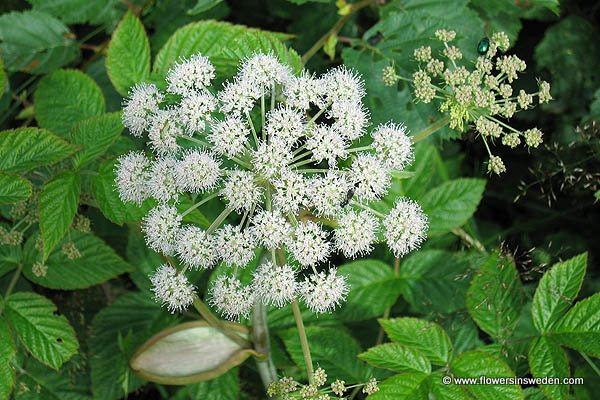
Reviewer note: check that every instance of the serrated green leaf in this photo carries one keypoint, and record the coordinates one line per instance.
(427, 337)
(409, 385)
(35, 42)
(436, 280)
(128, 55)
(95, 136)
(225, 44)
(98, 263)
(440, 391)
(66, 97)
(495, 297)
(396, 357)
(77, 11)
(556, 291)
(133, 317)
(474, 364)
(58, 204)
(13, 189)
(7, 352)
(580, 327)
(47, 336)
(546, 358)
(27, 148)
(107, 197)
(225, 387)
(335, 350)
(373, 288)
(452, 203)
(10, 257)
(202, 6)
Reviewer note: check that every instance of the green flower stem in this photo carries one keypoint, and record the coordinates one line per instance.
(357, 149)
(367, 208)
(253, 129)
(592, 363)
(219, 220)
(212, 320)
(303, 341)
(436, 126)
(335, 29)
(312, 171)
(300, 156)
(11, 286)
(262, 117)
(198, 204)
(301, 163)
(468, 239)
(318, 114)
(206, 144)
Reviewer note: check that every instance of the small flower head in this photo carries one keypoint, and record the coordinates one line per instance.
(70, 250)
(324, 291)
(533, 137)
(371, 387)
(229, 135)
(190, 75)
(338, 387)
(162, 180)
(301, 91)
(142, 104)
(270, 159)
(238, 97)
(131, 177)
(511, 140)
(544, 93)
(488, 128)
(240, 192)
(172, 288)
(39, 269)
(328, 192)
(319, 377)
(356, 233)
(270, 229)
(496, 165)
(350, 118)
(195, 247)
(405, 227)
(275, 284)
(198, 171)
(291, 191)
(326, 143)
(423, 89)
(500, 39)
(422, 54)
(444, 35)
(285, 125)
(309, 245)
(161, 227)
(235, 247)
(389, 76)
(344, 84)
(370, 176)
(230, 298)
(263, 71)
(164, 132)
(194, 110)
(393, 146)
(524, 99)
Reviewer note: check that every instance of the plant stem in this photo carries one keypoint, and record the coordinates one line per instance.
(335, 29)
(367, 208)
(11, 286)
(592, 363)
(260, 337)
(217, 222)
(303, 340)
(431, 129)
(216, 322)
(468, 239)
(198, 204)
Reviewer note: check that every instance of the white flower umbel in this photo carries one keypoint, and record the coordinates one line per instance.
(172, 288)
(198, 171)
(309, 244)
(194, 110)
(132, 176)
(195, 247)
(271, 229)
(230, 298)
(229, 136)
(161, 227)
(371, 177)
(275, 284)
(356, 233)
(324, 291)
(405, 227)
(235, 246)
(278, 150)
(190, 75)
(240, 192)
(138, 109)
(393, 146)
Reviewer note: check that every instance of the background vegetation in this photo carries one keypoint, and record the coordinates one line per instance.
(69, 333)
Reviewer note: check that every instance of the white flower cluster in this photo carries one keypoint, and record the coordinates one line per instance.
(298, 188)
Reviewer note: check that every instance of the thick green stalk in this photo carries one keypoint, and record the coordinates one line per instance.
(11, 286)
(262, 344)
(303, 340)
(436, 126)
